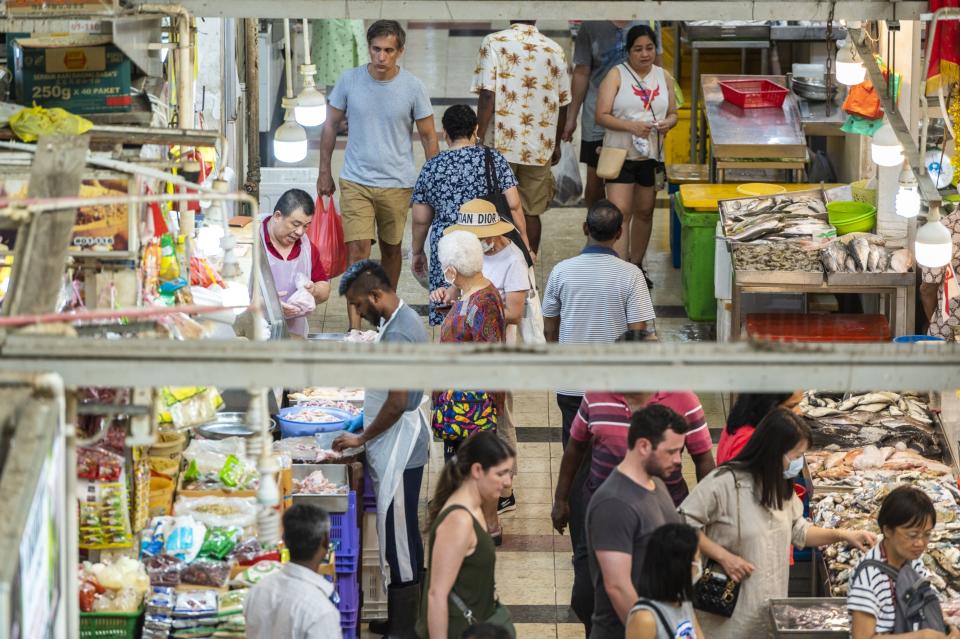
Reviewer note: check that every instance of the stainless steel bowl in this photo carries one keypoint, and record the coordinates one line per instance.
(230, 425)
(813, 90)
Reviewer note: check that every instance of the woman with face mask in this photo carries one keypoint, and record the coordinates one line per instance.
(748, 515)
(462, 555)
(671, 566)
(455, 176)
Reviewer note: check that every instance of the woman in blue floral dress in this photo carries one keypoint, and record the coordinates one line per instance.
(446, 182)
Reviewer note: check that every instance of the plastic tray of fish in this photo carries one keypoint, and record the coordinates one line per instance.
(810, 617)
(786, 257)
(776, 218)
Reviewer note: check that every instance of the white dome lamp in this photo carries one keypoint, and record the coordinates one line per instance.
(934, 244)
(290, 139)
(908, 195)
(311, 109)
(849, 69)
(885, 150)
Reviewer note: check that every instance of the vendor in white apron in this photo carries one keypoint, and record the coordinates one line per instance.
(291, 254)
(397, 443)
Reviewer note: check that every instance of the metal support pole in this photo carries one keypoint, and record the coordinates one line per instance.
(251, 78)
(694, 100)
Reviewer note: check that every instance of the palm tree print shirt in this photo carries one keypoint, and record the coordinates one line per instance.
(527, 72)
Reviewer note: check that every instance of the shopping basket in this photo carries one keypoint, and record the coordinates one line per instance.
(753, 94)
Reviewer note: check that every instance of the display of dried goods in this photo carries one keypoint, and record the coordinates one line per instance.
(779, 256)
(787, 217)
(825, 615)
(879, 418)
(863, 253)
(317, 484)
(206, 572)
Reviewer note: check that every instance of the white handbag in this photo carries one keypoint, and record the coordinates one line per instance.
(531, 324)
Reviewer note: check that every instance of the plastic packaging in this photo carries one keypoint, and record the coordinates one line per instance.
(206, 572)
(220, 542)
(566, 174)
(219, 512)
(255, 574)
(231, 603)
(302, 299)
(196, 603)
(30, 124)
(164, 571)
(185, 539)
(211, 455)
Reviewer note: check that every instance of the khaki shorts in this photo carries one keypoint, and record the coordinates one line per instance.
(536, 187)
(373, 212)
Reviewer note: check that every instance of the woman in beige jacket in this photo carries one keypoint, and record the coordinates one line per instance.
(748, 516)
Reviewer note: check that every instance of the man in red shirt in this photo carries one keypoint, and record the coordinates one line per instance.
(292, 256)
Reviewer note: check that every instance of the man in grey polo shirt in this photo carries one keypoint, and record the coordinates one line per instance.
(592, 297)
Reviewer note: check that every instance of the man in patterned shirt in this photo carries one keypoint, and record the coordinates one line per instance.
(936, 296)
(524, 88)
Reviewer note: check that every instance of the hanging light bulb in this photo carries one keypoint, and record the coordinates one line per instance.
(934, 244)
(850, 70)
(908, 195)
(290, 139)
(885, 150)
(311, 105)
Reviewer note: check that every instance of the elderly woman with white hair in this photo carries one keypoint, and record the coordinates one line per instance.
(476, 316)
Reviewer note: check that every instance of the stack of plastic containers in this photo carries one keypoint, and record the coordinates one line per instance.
(374, 593)
(345, 535)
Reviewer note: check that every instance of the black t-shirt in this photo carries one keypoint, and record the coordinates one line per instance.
(621, 516)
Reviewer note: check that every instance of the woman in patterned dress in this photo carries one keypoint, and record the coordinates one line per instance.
(446, 182)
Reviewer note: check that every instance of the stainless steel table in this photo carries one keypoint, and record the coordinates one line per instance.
(897, 291)
(752, 138)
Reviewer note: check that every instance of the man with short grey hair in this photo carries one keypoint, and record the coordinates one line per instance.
(383, 102)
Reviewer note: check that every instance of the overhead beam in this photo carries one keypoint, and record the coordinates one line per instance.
(473, 10)
(643, 367)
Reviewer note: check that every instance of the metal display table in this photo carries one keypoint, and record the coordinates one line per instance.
(897, 292)
(752, 138)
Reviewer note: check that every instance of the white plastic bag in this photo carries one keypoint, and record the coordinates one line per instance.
(302, 299)
(531, 324)
(566, 174)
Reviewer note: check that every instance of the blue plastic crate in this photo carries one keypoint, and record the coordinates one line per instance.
(344, 532)
(369, 496)
(348, 588)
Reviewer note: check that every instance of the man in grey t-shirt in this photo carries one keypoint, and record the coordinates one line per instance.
(383, 103)
(625, 510)
(600, 46)
(397, 446)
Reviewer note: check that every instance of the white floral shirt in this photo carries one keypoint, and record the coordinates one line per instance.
(942, 324)
(528, 74)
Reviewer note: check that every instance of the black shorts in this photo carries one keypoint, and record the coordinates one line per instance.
(590, 152)
(642, 172)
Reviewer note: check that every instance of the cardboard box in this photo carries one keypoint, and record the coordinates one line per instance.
(46, 7)
(82, 74)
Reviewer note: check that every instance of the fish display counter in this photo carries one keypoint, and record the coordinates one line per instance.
(864, 446)
(785, 243)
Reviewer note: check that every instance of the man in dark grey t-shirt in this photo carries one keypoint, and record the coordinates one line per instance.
(625, 510)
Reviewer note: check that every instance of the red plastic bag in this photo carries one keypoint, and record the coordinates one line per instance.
(326, 233)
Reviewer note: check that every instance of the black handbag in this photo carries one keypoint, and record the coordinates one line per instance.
(501, 615)
(499, 200)
(716, 592)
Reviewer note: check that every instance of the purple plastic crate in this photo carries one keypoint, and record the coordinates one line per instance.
(369, 496)
(348, 588)
(345, 533)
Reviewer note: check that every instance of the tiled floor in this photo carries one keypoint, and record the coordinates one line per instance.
(534, 575)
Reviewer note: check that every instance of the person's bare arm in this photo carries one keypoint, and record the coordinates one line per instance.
(454, 539)
(428, 136)
(735, 566)
(643, 625)
(928, 298)
(422, 219)
(860, 539)
(513, 306)
(561, 122)
(670, 120)
(579, 82)
(516, 211)
(615, 568)
(637, 326)
(573, 456)
(325, 184)
(551, 328)
(486, 102)
(703, 464)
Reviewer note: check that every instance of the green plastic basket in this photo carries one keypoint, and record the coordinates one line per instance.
(110, 625)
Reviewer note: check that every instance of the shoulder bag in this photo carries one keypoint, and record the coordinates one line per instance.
(500, 617)
(496, 197)
(717, 592)
(531, 324)
(659, 169)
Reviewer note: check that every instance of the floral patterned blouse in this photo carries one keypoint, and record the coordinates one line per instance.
(944, 324)
(479, 318)
(527, 72)
(447, 182)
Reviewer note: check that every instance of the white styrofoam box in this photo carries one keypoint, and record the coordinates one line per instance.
(724, 320)
(275, 181)
(722, 268)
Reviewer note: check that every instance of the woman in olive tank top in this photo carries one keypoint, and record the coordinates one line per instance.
(460, 576)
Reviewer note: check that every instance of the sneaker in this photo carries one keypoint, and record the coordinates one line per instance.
(506, 504)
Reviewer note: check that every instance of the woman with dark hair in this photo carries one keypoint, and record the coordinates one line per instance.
(747, 411)
(462, 554)
(671, 565)
(906, 519)
(748, 515)
(637, 106)
(446, 183)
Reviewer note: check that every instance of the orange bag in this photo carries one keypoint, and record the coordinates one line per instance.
(326, 233)
(863, 100)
